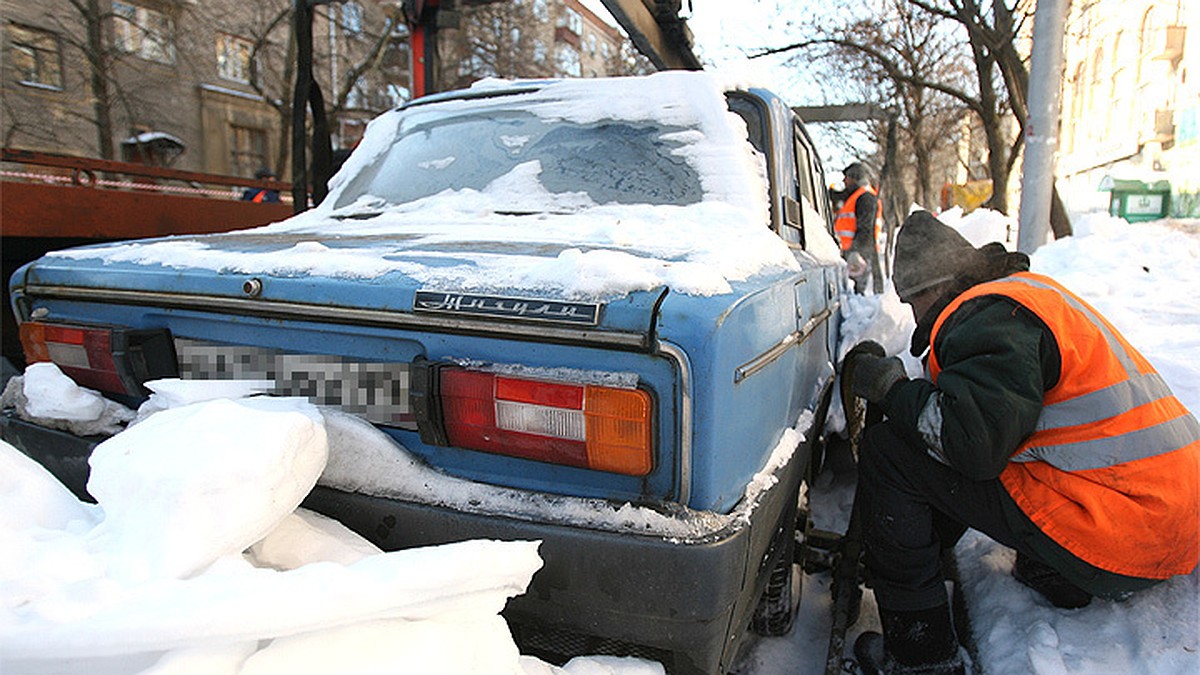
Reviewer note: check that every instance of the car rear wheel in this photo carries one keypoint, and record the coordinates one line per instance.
(776, 609)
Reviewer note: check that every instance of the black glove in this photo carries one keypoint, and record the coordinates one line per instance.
(872, 374)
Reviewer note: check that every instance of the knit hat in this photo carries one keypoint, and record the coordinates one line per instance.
(929, 253)
(856, 171)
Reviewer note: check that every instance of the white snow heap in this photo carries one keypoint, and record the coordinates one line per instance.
(155, 577)
(45, 395)
(224, 493)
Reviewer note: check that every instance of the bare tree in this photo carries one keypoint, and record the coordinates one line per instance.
(353, 60)
(993, 29)
(112, 96)
(900, 55)
(896, 59)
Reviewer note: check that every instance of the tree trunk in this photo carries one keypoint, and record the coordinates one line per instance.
(98, 59)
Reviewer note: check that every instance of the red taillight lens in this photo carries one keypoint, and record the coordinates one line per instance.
(588, 426)
(110, 359)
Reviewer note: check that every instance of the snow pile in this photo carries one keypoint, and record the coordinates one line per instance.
(154, 578)
(223, 495)
(1016, 631)
(54, 400)
(365, 460)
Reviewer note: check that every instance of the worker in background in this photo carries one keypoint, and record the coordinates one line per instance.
(858, 224)
(261, 195)
(1037, 424)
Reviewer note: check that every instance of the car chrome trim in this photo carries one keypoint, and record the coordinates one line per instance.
(780, 348)
(343, 315)
(685, 418)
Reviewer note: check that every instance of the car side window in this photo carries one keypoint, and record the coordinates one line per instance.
(752, 115)
(804, 187)
(810, 190)
(758, 133)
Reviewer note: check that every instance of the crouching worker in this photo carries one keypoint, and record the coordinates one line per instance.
(1038, 425)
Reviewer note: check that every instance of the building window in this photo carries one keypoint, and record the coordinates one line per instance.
(396, 94)
(568, 60)
(395, 59)
(37, 56)
(352, 18)
(248, 150)
(541, 11)
(234, 57)
(571, 20)
(143, 32)
(355, 98)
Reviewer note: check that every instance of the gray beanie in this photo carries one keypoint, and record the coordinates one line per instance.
(928, 253)
(857, 172)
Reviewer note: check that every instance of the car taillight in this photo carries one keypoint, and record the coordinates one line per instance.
(111, 359)
(583, 425)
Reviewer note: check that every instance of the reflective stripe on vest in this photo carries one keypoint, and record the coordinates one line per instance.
(1112, 469)
(845, 225)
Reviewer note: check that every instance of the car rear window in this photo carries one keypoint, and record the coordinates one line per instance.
(521, 159)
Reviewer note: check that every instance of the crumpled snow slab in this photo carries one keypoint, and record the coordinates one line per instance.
(197, 560)
(191, 484)
(46, 396)
(238, 604)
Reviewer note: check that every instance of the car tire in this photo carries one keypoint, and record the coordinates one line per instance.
(776, 609)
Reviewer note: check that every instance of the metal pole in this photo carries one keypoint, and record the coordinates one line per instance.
(1041, 128)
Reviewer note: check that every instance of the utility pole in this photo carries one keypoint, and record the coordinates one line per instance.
(1041, 127)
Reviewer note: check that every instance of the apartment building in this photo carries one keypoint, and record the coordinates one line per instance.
(1131, 100)
(206, 86)
(534, 39)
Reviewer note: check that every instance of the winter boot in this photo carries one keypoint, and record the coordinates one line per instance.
(1049, 583)
(920, 642)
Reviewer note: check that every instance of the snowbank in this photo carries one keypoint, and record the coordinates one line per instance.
(197, 560)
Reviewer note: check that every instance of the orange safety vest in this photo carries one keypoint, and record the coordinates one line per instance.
(1112, 470)
(846, 224)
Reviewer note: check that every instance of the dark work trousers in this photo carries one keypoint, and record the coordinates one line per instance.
(913, 507)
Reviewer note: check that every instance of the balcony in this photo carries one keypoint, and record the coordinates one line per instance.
(1173, 40)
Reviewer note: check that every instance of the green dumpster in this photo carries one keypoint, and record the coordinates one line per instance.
(1137, 201)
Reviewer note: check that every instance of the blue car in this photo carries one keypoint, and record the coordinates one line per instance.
(608, 308)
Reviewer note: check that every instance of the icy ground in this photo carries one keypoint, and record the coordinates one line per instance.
(200, 564)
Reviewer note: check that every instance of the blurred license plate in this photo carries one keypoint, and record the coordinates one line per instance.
(377, 392)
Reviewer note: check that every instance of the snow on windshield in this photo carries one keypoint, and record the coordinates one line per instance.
(684, 111)
(575, 246)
